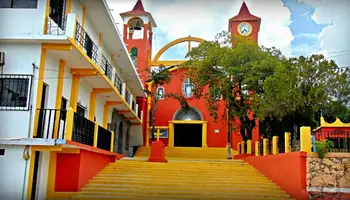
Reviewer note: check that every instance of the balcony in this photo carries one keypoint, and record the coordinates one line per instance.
(107, 68)
(70, 126)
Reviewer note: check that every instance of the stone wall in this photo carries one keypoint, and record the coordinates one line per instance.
(328, 178)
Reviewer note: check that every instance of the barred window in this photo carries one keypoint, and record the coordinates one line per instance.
(18, 3)
(14, 91)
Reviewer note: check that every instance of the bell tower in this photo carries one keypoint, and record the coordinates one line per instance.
(137, 35)
(245, 24)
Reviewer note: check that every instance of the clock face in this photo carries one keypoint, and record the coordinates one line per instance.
(244, 29)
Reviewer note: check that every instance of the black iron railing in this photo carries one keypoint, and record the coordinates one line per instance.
(104, 139)
(84, 40)
(340, 139)
(127, 96)
(118, 83)
(15, 90)
(139, 113)
(133, 106)
(83, 130)
(107, 68)
(56, 25)
(51, 123)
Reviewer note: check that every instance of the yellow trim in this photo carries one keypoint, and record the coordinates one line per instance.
(39, 88)
(83, 18)
(112, 141)
(105, 115)
(69, 7)
(149, 88)
(249, 147)
(336, 123)
(175, 42)
(102, 90)
(275, 145)
(243, 147)
(74, 92)
(160, 127)
(30, 174)
(305, 139)
(188, 122)
(47, 13)
(100, 40)
(204, 135)
(51, 175)
(60, 47)
(250, 32)
(171, 135)
(92, 106)
(47, 148)
(70, 150)
(95, 134)
(265, 142)
(59, 92)
(167, 62)
(287, 147)
(69, 124)
(84, 72)
(257, 148)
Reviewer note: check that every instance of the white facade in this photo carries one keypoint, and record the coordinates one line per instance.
(21, 38)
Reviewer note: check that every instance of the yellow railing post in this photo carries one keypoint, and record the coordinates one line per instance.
(239, 148)
(69, 124)
(243, 147)
(287, 146)
(265, 143)
(257, 148)
(249, 147)
(275, 145)
(305, 139)
(112, 141)
(95, 134)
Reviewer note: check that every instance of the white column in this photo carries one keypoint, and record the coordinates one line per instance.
(137, 109)
(70, 29)
(130, 103)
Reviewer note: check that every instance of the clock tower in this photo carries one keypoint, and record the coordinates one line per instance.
(245, 24)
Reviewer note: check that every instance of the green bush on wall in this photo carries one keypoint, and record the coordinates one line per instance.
(323, 147)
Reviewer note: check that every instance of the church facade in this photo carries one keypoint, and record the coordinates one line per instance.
(194, 128)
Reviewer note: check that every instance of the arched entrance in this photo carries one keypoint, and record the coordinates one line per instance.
(120, 137)
(189, 129)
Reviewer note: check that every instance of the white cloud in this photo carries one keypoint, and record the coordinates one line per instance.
(335, 36)
(205, 18)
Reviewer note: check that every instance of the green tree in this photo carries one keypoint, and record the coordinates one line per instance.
(158, 77)
(303, 88)
(219, 68)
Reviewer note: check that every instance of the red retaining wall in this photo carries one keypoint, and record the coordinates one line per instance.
(287, 170)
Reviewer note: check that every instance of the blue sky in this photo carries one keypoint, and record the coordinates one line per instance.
(296, 27)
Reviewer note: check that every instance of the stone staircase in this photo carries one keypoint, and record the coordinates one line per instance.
(180, 178)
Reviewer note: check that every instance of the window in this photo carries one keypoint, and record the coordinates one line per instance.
(2, 152)
(63, 108)
(160, 92)
(58, 12)
(15, 92)
(187, 88)
(81, 110)
(18, 3)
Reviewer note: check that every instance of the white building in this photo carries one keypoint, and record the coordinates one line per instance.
(67, 83)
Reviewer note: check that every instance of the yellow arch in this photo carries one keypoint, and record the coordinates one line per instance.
(189, 39)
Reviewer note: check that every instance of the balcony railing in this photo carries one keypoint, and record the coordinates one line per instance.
(104, 140)
(118, 83)
(52, 123)
(56, 25)
(107, 68)
(340, 139)
(83, 39)
(127, 96)
(134, 60)
(68, 125)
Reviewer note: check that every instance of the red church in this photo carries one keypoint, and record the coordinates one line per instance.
(194, 128)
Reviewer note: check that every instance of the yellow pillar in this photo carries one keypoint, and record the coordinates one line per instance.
(105, 116)
(204, 135)
(95, 134)
(265, 143)
(171, 135)
(149, 87)
(92, 106)
(243, 147)
(249, 147)
(69, 124)
(305, 139)
(238, 148)
(112, 141)
(275, 145)
(59, 90)
(257, 148)
(73, 102)
(287, 146)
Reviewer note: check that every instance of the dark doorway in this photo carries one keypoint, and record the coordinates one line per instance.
(41, 118)
(188, 135)
(35, 175)
(120, 138)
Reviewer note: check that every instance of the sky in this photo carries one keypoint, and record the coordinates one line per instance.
(296, 27)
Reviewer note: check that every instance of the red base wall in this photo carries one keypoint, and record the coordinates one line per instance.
(287, 170)
(73, 171)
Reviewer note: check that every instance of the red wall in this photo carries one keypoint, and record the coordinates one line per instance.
(287, 170)
(165, 113)
(73, 171)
